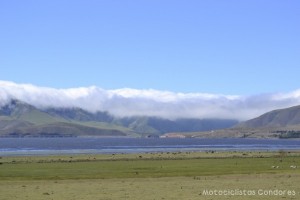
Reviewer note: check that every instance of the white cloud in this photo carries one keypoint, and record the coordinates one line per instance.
(130, 102)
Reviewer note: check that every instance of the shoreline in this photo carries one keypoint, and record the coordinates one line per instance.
(73, 146)
(167, 155)
(27, 153)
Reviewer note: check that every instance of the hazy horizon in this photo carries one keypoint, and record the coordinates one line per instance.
(149, 102)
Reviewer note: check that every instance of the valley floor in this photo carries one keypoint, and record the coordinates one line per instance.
(212, 175)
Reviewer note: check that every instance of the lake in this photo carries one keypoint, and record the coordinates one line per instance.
(48, 146)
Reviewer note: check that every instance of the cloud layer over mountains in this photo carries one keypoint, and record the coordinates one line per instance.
(131, 102)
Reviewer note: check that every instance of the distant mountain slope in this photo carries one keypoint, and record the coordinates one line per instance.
(60, 130)
(18, 110)
(79, 114)
(18, 119)
(282, 123)
(282, 118)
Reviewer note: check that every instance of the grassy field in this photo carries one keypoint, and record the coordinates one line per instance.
(152, 176)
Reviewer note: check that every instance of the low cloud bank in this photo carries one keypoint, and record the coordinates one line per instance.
(132, 102)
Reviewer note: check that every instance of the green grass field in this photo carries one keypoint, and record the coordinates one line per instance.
(150, 176)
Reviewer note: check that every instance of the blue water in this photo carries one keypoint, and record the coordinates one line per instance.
(45, 146)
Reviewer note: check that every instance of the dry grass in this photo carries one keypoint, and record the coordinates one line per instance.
(151, 188)
(182, 176)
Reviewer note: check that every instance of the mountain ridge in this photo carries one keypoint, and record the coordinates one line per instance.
(277, 118)
(19, 119)
(280, 123)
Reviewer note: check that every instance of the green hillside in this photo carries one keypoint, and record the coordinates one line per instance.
(19, 119)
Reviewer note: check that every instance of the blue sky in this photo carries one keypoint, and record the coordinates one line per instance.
(223, 47)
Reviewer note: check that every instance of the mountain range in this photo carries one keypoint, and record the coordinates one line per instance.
(19, 119)
(281, 123)
(288, 118)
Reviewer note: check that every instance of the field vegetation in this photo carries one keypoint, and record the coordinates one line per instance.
(177, 175)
